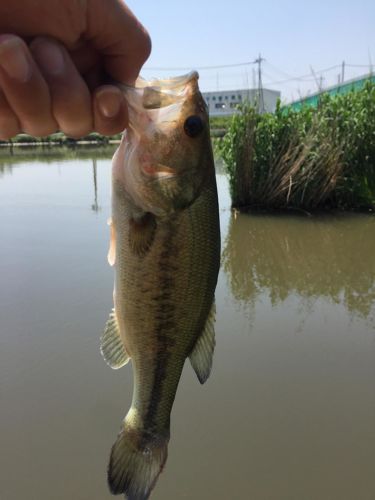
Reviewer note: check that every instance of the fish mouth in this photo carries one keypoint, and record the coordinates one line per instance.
(158, 171)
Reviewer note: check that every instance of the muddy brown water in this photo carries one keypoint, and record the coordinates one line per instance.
(289, 410)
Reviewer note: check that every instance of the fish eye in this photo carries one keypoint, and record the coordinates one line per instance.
(193, 126)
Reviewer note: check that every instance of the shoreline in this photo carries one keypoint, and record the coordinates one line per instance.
(70, 144)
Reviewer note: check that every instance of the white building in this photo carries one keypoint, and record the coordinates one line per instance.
(224, 102)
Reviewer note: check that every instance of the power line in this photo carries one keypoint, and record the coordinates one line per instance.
(220, 74)
(183, 68)
(271, 81)
(307, 77)
(278, 70)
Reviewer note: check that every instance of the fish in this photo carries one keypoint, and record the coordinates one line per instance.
(165, 249)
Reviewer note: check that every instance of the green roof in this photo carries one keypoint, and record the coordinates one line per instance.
(345, 88)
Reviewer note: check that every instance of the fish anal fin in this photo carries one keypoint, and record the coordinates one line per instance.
(202, 353)
(142, 233)
(112, 244)
(111, 344)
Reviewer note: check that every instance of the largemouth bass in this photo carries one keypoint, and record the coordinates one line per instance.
(165, 246)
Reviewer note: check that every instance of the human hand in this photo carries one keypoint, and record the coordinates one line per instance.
(55, 59)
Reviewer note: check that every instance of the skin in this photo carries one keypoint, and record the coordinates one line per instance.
(166, 235)
(57, 58)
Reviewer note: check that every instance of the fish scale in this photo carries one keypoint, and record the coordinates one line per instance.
(166, 251)
(177, 303)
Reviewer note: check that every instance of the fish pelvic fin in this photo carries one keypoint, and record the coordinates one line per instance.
(135, 464)
(111, 344)
(202, 354)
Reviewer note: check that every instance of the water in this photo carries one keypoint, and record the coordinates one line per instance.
(289, 410)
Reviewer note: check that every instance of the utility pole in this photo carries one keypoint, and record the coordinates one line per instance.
(318, 82)
(321, 83)
(260, 85)
(247, 85)
(95, 205)
(254, 79)
(342, 72)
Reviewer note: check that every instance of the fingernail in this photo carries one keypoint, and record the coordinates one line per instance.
(13, 59)
(109, 102)
(49, 57)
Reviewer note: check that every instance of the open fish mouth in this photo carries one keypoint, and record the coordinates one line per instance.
(158, 171)
(156, 94)
(172, 84)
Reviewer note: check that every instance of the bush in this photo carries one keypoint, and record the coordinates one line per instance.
(309, 159)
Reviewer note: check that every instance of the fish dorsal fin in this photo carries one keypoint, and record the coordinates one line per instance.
(112, 244)
(142, 233)
(202, 353)
(111, 344)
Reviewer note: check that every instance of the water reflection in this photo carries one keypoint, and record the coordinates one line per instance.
(330, 257)
(5, 169)
(300, 422)
(95, 205)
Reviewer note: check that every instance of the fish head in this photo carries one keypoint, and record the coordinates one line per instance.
(167, 154)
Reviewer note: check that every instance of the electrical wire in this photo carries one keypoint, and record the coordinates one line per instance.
(358, 65)
(200, 68)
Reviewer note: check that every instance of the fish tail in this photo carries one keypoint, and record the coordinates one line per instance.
(135, 463)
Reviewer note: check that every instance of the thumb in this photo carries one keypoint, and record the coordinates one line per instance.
(117, 34)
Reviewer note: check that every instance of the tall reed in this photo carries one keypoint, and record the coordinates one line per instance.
(308, 159)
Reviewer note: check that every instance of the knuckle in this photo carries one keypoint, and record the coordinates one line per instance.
(109, 128)
(75, 132)
(75, 119)
(11, 37)
(39, 129)
(7, 135)
(9, 127)
(144, 46)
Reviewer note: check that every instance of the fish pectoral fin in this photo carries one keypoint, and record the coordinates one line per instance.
(202, 353)
(111, 345)
(112, 244)
(142, 233)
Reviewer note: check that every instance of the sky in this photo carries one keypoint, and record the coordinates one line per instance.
(296, 39)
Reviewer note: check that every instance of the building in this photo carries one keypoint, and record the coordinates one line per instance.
(342, 88)
(225, 102)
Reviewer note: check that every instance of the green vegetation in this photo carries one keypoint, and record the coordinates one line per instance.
(59, 138)
(219, 125)
(308, 159)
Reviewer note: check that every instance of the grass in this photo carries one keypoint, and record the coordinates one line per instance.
(60, 139)
(308, 159)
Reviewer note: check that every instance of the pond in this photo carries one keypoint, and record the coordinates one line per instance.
(289, 410)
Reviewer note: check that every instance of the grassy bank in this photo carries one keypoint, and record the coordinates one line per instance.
(308, 159)
(59, 139)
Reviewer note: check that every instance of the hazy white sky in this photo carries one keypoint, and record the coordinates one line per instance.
(291, 35)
